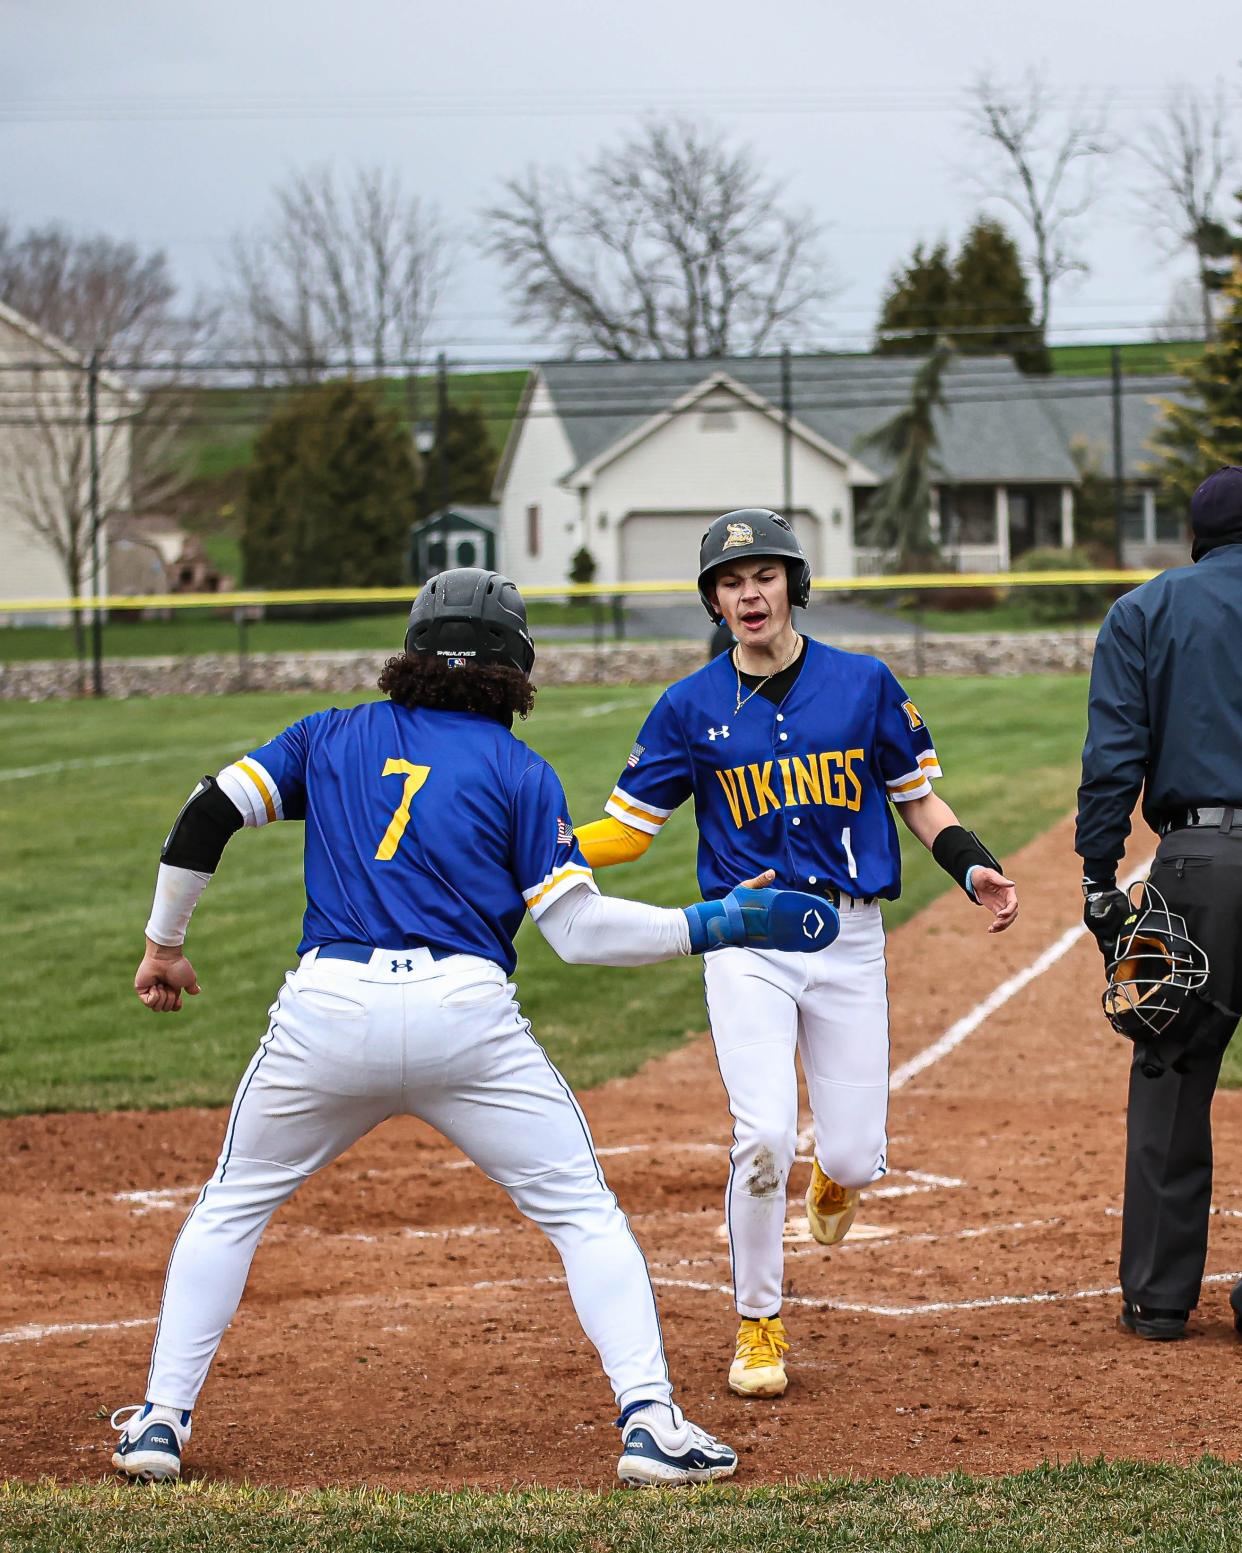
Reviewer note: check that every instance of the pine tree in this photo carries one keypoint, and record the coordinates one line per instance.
(469, 462)
(916, 304)
(979, 301)
(897, 516)
(330, 494)
(990, 310)
(1195, 438)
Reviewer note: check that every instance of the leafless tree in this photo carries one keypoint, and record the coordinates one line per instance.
(342, 270)
(1188, 156)
(673, 244)
(78, 298)
(1040, 163)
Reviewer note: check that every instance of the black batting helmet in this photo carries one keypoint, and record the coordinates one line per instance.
(754, 531)
(474, 615)
(1154, 971)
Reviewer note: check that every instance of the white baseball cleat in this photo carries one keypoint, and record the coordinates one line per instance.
(661, 1447)
(152, 1439)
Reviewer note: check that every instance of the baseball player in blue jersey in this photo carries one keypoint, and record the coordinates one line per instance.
(793, 752)
(429, 831)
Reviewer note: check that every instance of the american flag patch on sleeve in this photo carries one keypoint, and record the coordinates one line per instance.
(635, 755)
(564, 834)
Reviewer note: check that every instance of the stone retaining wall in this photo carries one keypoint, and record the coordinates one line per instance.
(615, 663)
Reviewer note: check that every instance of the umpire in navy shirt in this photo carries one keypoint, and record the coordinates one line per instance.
(1165, 717)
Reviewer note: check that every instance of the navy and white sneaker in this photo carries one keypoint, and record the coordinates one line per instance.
(152, 1439)
(661, 1446)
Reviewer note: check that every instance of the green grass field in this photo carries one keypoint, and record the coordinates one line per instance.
(88, 790)
(1137, 357)
(1093, 1507)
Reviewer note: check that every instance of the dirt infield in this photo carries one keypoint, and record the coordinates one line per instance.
(404, 1327)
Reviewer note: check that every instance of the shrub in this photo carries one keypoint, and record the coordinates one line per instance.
(1074, 601)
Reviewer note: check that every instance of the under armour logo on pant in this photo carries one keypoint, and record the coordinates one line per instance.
(397, 964)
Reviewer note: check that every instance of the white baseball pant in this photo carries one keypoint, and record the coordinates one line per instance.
(832, 1008)
(352, 1044)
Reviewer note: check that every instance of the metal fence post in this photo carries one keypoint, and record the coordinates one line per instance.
(92, 433)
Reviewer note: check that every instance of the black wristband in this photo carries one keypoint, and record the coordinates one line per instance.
(202, 829)
(1099, 872)
(958, 850)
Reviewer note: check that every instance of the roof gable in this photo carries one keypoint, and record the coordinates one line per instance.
(995, 426)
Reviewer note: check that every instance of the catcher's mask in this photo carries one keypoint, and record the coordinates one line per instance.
(1155, 970)
(470, 616)
(746, 534)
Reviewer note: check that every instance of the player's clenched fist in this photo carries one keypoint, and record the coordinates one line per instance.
(163, 976)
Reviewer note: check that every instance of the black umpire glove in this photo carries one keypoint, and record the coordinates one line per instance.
(1105, 909)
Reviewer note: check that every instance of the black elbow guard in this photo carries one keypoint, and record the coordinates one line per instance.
(201, 831)
(958, 850)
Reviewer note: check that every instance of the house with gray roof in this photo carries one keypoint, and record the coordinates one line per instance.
(632, 459)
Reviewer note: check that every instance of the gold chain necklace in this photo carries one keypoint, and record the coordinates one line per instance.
(739, 702)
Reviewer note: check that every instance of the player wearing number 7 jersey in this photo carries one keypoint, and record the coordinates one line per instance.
(429, 832)
(792, 752)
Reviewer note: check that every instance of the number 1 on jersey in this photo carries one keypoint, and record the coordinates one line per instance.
(414, 776)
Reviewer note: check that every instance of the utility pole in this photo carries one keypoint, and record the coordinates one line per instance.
(1119, 477)
(92, 432)
(786, 433)
(441, 429)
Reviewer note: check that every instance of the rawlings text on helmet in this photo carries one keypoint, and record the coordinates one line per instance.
(1155, 971)
(467, 617)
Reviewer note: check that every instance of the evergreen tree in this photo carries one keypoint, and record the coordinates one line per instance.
(990, 310)
(979, 300)
(1198, 437)
(916, 305)
(330, 494)
(464, 468)
(898, 514)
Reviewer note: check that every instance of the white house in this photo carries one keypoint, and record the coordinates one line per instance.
(45, 459)
(633, 459)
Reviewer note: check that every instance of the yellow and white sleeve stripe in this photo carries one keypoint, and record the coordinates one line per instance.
(252, 790)
(636, 813)
(559, 882)
(915, 784)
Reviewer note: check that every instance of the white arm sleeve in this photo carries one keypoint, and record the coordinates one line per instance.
(589, 929)
(176, 894)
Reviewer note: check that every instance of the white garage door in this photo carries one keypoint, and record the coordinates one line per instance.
(664, 546)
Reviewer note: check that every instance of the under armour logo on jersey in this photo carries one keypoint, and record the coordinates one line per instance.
(718, 733)
(408, 964)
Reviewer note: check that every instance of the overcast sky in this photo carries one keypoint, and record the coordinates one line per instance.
(168, 122)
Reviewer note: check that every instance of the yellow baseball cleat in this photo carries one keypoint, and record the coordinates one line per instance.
(830, 1208)
(758, 1368)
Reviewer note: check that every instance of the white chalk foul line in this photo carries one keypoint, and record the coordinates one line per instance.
(969, 1023)
(99, 762)
(930, 1307)
(35, 1334)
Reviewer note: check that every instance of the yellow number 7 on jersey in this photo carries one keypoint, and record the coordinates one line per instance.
(414, 776)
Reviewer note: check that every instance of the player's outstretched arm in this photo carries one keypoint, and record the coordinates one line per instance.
(963, 857)
(585, 928)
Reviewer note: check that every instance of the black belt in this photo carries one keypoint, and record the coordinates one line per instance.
(1225, 818)
(347, 949)
(832, 894)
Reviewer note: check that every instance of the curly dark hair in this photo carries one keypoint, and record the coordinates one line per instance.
(494, 690)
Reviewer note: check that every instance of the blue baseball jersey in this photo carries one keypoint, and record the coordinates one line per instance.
(803, 787)
(423, 827)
